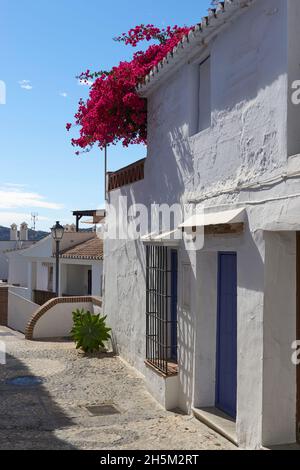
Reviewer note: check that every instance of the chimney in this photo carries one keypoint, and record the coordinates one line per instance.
(24, 232)
(14, 233)
(70, 228)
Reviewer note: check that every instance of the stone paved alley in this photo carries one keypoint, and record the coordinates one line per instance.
(54, 414)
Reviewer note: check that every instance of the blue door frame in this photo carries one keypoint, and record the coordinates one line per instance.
(174, 284)
(226, 357)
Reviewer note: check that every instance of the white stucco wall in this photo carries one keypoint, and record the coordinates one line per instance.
(77, 279)
(74, 277)
(4, 265)
(5, 245)
(279, 373)
(10, 268)
(58, 321)
(18, 269)
(293, 75)
(97, 278)
(248, 142)
(42, 276)
(20, 291)
(202, 355)
(125, 297)
(41, 249)
(20, 311)
(249, 110)
(250, 259)
(164, 389)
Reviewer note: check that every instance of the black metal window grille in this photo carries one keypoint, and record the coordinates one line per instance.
(161, 308)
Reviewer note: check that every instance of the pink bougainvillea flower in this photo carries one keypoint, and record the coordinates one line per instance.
(114, 112)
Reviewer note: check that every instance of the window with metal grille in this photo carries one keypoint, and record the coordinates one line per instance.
(161, 308)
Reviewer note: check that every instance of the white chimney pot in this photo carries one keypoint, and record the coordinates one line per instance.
(13, 233)
(24, 232)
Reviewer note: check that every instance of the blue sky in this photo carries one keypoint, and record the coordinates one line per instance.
(44, 45)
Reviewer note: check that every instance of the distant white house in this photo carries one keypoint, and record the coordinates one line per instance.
(17, 240)
(81, 266)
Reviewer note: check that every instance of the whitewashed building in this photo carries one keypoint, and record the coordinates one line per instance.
(213, 329)
(81, 267)
(17, 240)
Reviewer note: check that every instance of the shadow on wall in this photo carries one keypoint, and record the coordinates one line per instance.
(170, 173)
(28, 414)
(256, 60)
(186, 342)
(166, 187)
(252, 278)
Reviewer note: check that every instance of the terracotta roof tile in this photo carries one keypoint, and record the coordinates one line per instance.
(91, 249)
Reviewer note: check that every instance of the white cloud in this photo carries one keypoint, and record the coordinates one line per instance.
(85, 82)
(63, 94)
(7, 218)
(12, 197)
(14, 185)
(25, 84)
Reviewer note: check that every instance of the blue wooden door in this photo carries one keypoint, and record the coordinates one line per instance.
(226, 370)
(174, 271)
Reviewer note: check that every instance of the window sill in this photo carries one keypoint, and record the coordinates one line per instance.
(172, 369)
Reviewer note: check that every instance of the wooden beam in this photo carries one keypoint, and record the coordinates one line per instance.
(221, 229)
(224, 229)
(78, 218)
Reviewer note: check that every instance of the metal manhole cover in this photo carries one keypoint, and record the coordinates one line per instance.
(25, 381)
(103, 410)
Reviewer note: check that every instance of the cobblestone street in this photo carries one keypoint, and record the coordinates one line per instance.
(53, 414)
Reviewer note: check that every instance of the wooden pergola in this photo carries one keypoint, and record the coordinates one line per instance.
(96, 215)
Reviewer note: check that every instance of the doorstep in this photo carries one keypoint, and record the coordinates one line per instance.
(283, 447)
(218, 421)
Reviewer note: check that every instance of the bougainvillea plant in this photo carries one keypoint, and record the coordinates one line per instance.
(114, 112)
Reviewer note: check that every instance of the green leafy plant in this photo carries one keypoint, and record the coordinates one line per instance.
(89, 331)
